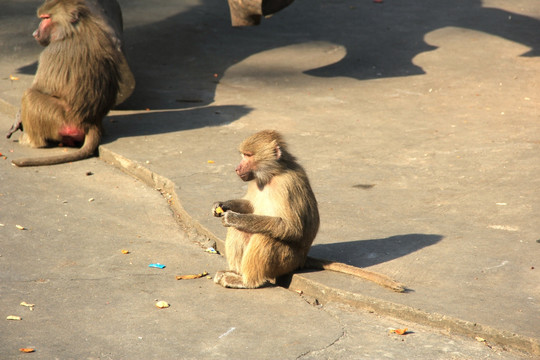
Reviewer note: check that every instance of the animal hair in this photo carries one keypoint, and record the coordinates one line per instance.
(271, 229)
(76, 83)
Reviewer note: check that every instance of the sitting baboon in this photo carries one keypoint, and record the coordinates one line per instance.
(271, 229)
(81, 74)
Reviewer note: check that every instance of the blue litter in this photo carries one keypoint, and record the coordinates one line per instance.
(157, 265)
(211, 250)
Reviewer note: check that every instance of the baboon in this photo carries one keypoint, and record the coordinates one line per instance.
(78, 79)
(271, 229)
(250, 12)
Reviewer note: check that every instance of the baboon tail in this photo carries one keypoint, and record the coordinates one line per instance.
(91, 143)
(383, 280)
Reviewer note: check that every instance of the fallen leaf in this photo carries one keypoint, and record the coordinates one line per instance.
(189, 277)
(125, 251)
(13, 317)
(20, 227)
(24, 303)
(399, 331)
(210, 161)
(162, 304)
(27, 350)
(12, 78)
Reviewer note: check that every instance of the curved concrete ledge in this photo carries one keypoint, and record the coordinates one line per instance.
(299, 282)
(451, 324)
(321, 292)
(167, 188)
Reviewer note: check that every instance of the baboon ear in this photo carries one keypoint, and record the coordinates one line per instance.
(278, 152)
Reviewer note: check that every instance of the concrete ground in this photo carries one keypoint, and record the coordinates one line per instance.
(417, 124)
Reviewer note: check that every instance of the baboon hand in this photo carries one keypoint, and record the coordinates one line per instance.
(229, 218)
(218, 210)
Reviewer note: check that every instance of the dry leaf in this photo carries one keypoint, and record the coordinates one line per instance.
(125, 251)
(20, 227)
(13, 317)
(399, 331)
(189, 277)
(162, 304)
(13, 78)
(27, 350)
(29, 306)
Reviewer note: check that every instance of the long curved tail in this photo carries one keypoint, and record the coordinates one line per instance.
(383, 280)
(91, 143)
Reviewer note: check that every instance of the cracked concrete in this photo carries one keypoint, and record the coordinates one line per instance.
(417, 125)
(93, 302)
(327, 348)
(359, 338)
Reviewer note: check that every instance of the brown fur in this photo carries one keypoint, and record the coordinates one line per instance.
(250, 12)
(76, 83)
(272, 228)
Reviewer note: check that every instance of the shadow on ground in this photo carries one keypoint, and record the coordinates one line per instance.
(167, 121)
(178, 62)
(365, 253)
(381, 41)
